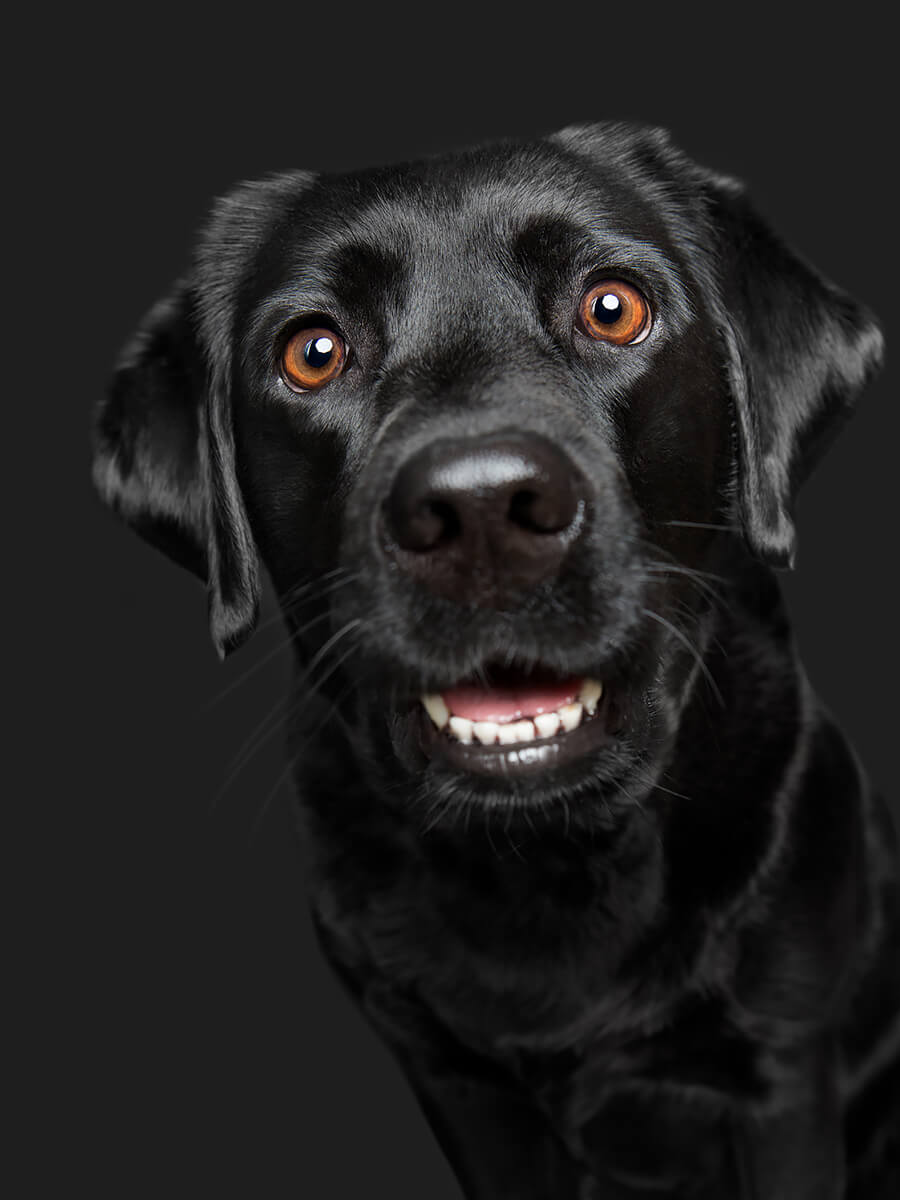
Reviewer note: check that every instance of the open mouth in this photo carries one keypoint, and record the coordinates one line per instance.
(513, 723)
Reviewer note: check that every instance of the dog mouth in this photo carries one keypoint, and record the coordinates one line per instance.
(510, 723)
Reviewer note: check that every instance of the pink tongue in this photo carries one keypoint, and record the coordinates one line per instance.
(509, 703)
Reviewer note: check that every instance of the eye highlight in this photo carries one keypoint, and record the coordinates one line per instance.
(311, 358)
(614, 311)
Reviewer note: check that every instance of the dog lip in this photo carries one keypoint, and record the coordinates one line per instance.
(510, 760)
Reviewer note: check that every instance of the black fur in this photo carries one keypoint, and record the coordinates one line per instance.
(668, 967)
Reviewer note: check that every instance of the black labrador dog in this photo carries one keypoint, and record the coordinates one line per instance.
(516, 434)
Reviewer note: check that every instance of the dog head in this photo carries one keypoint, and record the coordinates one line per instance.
(486, 420)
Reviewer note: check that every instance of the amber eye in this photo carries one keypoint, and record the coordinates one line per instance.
(614, 311)
(311, 358)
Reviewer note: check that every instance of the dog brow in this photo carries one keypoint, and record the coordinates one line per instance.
(363, 274)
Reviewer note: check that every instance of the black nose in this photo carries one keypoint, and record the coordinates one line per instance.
(478, 519)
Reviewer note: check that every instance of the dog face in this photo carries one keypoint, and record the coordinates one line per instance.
(489, 421)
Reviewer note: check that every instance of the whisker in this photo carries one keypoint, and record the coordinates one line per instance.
(254, 667)
(702, 525)
(649, 781)
(316, 687)
(514, 847)
(688, 644)
(671, 559)
(278, 649)
(295, 758)
(633, 800)
(282, 778)
(332, 711)
(324, 649)
(487, 831)
(318, 589)
(269, 725)
(671, 791)
(434, 814)
(700, 583)
(254, 741)
(707, 577)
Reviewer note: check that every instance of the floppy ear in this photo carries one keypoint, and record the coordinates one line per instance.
(801, 351)
(164, 460)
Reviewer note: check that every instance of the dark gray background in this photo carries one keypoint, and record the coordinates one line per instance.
(192, 1043)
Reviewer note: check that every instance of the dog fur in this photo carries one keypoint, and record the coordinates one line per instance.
(669, 966)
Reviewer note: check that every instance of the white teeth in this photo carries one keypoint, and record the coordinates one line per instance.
(436, 708)
(543, 725)
(515, 731)
(547, 724)
(570, 715)
(489, 732)
(589, 695)
(461, 728)
(486, 732)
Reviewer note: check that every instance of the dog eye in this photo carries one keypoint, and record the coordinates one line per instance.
(311, 358)
(614, 311)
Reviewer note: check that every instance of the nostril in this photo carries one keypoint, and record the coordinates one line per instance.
(423, 525)
(433, 523)
(525, 511)
(547, 511)
(532, 511)
(445, 520)
(520, 510)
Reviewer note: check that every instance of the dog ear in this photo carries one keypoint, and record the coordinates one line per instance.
(164, 460)
(800, 352)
